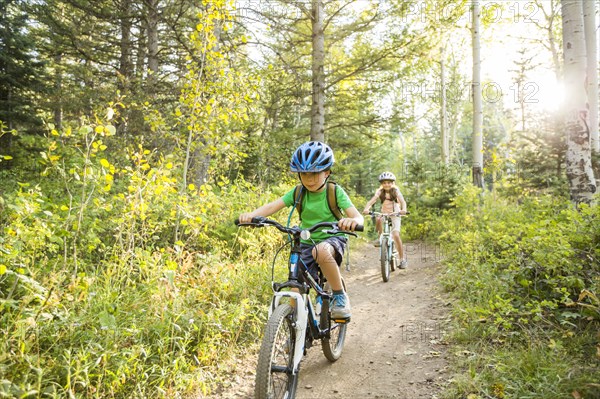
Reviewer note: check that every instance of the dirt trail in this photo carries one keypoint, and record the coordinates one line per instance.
(395, 344)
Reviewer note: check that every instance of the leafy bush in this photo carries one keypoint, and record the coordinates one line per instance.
(526, 279)
(118, 282)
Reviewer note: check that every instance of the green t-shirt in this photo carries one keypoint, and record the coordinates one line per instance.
(316, 210)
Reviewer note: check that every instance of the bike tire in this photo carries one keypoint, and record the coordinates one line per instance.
(385, 261)
(334, 344)
(274, 377)
(394, 256)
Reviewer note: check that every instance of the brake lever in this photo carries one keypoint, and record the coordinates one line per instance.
(336, 230)
(252, 224)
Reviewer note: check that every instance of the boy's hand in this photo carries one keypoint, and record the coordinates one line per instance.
(347, 224)
(366, 211)
(246, 217)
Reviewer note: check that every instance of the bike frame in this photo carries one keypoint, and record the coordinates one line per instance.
(386, 235)
(305, 314)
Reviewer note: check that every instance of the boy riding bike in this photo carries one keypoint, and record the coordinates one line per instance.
(313, 161)
(392, 201)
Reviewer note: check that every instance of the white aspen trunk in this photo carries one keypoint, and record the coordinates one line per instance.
(578, 158)
(589, 23)
(477, 101)
(444, 115)
(317, 112)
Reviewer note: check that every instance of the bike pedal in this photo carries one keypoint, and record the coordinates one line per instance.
(342, 321)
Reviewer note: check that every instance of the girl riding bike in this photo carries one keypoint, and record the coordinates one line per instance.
(392, 201)
(313, 161)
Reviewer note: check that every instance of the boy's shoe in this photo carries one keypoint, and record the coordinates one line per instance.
(403, 264)
(340, 306)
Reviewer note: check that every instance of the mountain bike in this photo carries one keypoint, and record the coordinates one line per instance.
(388, 254)
(295, 319)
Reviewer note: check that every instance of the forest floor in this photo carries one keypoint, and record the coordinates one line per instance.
(395, 346)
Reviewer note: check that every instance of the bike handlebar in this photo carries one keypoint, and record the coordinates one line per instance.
(261, 221)
(388, 214)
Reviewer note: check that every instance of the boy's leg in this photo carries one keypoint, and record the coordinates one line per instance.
(324, 253)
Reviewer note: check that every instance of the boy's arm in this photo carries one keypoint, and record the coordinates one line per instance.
(354, 218)
(265, 210)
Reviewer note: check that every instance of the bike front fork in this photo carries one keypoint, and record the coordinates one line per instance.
(300, 322)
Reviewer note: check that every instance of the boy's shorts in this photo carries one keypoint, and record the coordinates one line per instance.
(338, 244)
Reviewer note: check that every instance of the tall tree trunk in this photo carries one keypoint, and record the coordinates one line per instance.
(57, 106)
(317, 112)
(152, 26)
(589, 22)
(125, 63)
(444, 114)
(141, 52)
(477, 101)
(578, 159)
(551, 17)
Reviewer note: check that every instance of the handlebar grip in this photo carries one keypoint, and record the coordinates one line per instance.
(255, 220)
(359, 227)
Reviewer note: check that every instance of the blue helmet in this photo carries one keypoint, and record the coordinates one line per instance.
(312, 156)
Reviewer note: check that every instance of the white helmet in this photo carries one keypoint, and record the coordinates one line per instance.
(387, 176)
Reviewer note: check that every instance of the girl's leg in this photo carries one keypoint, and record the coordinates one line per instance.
(398, 242)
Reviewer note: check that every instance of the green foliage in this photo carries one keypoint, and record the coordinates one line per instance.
(99, 300)
(432, 186)
(116, 275)
(21, 74)
(532, 370)
(526, 279)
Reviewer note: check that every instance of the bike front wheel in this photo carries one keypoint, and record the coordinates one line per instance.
(385, 260)
(274, 373)
(393, 256)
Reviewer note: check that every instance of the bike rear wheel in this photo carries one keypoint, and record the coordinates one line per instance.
(385, 260)
(274, 372)
(334, 344)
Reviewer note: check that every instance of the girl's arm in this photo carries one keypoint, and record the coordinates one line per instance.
(265, 210)
(371, 202)
(400, 200)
